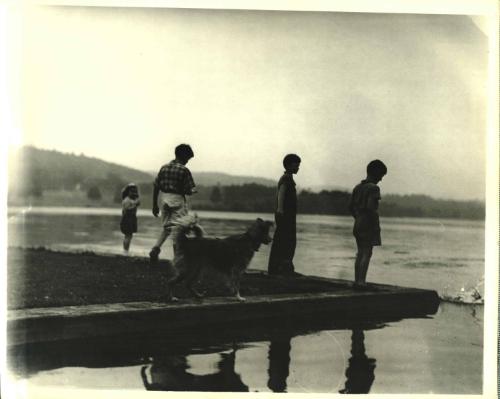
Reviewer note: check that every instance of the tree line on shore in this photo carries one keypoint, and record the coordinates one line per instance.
(84, 181)
(260, 198)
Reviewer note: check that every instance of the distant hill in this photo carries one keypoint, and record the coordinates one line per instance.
(224, 179)
(58, 170)
(51, 178)
(324, 187)
(34, 172)
(54, 170)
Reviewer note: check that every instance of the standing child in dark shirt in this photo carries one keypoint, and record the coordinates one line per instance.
(364, 208)
(285, 240)
(128, 223)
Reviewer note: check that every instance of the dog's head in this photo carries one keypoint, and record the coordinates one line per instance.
(259, 232)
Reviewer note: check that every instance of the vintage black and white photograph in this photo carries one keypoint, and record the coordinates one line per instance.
(253, 200)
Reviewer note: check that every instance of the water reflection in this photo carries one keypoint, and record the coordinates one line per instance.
(170, 373)
(360, 372)
(279, 363)
(165, 364)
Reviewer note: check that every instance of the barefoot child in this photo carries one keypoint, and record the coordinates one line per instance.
(128, 223)
(364, 208)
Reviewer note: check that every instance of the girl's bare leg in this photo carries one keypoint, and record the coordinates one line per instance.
(126, 241)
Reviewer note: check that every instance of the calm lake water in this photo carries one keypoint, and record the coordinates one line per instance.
(439, 354)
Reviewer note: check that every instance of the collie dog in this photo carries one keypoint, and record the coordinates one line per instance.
(230, 256)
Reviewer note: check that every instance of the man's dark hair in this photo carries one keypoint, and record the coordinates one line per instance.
(289, 159)
(376, 168)
(184, 151)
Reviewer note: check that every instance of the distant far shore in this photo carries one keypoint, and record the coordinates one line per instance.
(52, 178)
(254, 198)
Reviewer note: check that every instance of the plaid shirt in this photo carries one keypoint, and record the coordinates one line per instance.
(175, 178)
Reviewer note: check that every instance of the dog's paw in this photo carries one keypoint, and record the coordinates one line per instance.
(241, 299)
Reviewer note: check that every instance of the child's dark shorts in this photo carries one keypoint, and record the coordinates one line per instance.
(367, 230)
(368, 242)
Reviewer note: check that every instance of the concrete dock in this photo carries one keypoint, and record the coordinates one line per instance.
(339, 301)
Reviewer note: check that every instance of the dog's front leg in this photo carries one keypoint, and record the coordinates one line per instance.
(170, 289)
(239, 297)
(178, 276)
(236, 284)
(191, 280)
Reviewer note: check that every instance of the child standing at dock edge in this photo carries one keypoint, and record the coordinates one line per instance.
(285, 240)
(364, 208)
(128, 223)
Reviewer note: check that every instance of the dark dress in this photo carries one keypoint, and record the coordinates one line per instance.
(285, 236)
(128, 223)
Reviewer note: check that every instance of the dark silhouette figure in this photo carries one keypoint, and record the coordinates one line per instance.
(285, 236)
(279, 363)
(172, 184)
(170, 374)
(364, 208)
(360, 372)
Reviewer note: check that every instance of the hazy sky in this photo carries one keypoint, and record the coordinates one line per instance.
(246, 87)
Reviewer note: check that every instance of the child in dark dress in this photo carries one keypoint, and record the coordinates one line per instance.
(128, 223)
(364, 208)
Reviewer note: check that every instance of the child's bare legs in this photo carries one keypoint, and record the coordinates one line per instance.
(155, 251)
(165, 232)
(126, 241)
(362, 262)
(169, 214)
(365, 262)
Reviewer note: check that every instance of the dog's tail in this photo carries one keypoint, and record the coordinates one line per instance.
(185, 225)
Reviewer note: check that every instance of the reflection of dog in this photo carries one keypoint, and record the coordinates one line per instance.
(230, 255)
(170, 373)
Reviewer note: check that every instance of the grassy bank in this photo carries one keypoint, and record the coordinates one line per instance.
(43, 278)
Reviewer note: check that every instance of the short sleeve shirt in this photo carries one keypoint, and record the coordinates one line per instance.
(362, 194)
(174, 178)
(290, 200)
(366, 225)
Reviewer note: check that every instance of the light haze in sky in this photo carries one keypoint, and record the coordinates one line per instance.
(246, 87)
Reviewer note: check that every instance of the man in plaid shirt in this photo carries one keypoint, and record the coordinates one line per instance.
(173, 183)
